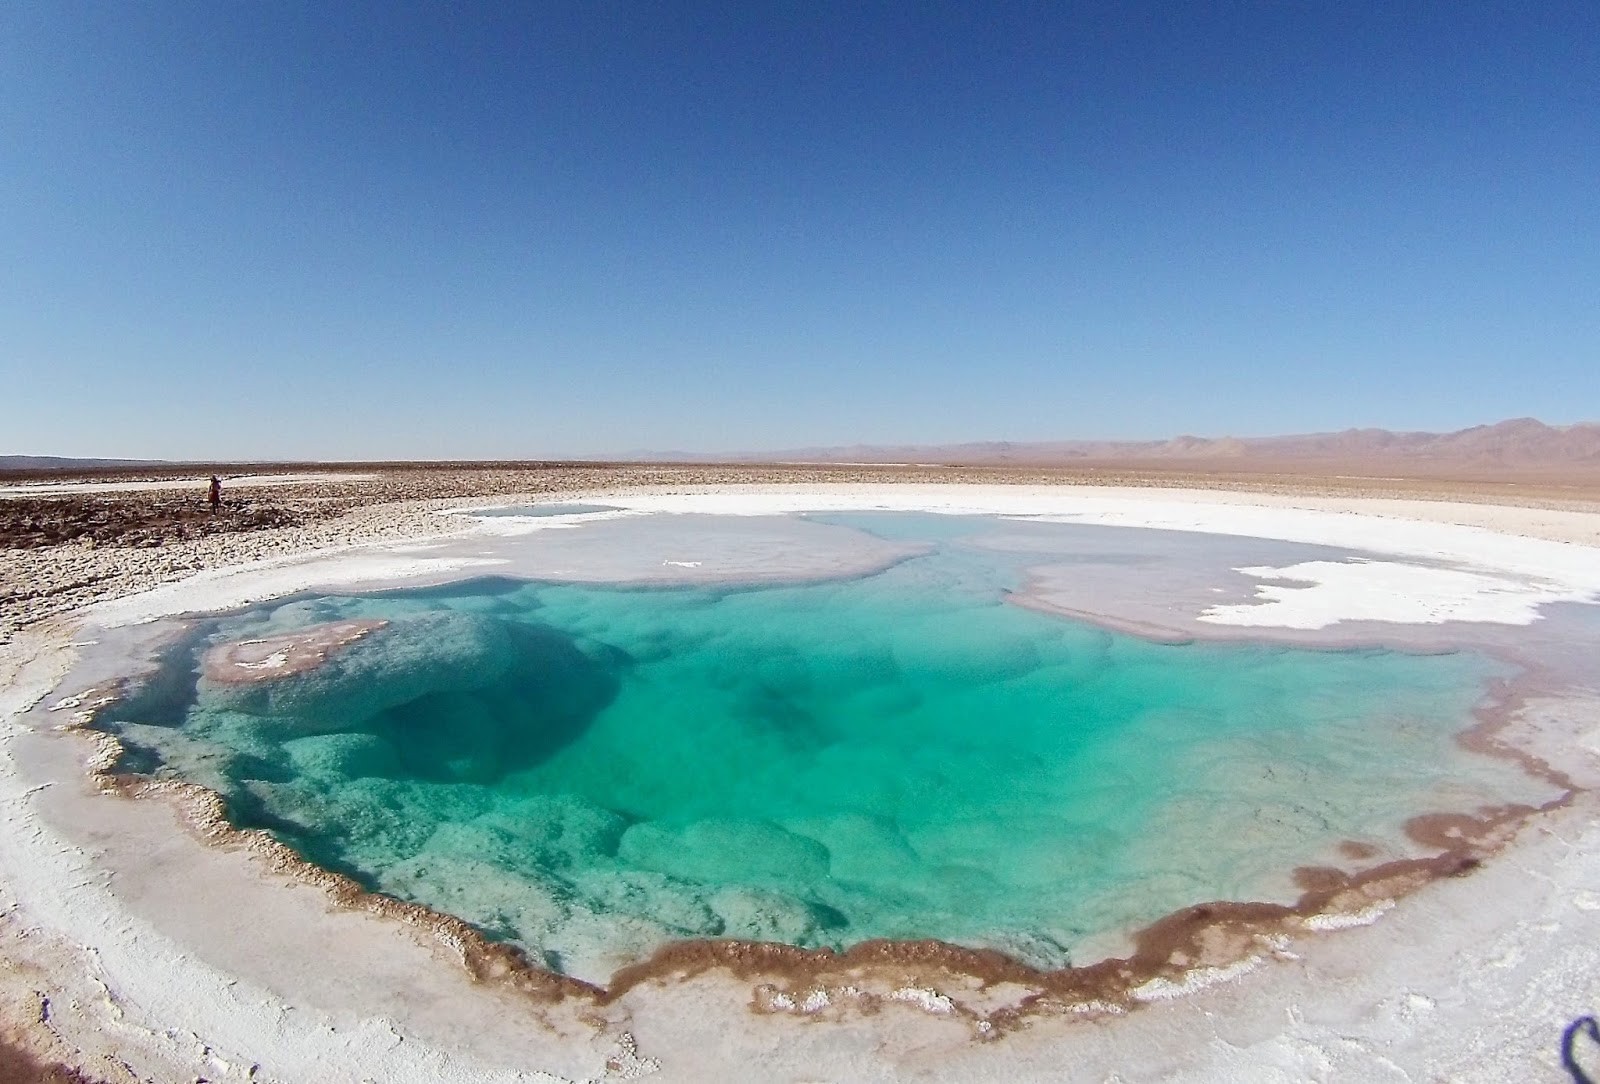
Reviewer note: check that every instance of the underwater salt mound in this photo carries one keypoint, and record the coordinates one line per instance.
(268, 658)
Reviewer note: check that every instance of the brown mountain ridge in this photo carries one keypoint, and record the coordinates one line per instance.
(1519, 443)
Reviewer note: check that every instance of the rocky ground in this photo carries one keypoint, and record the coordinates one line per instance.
(61, 550)
(33, 522)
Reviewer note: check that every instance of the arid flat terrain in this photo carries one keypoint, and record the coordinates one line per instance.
(61, 546)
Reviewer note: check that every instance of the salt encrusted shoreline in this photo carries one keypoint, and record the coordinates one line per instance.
(807, 986)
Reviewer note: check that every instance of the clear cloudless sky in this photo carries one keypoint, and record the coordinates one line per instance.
(396, 230)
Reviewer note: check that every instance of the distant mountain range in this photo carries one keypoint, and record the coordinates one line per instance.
(1522, 442)
(1519, 444)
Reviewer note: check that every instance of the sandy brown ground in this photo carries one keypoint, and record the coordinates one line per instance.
(61, 551)
(29, 1052)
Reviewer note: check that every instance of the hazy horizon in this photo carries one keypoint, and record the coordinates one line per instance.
(397, 232)
(771, 454)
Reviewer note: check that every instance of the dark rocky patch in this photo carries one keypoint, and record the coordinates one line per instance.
(32, 522)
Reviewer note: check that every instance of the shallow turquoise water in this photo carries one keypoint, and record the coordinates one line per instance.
(594, 771)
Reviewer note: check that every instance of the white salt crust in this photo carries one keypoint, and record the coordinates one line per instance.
(1449, 572)
(1489, 577)
(197, 484)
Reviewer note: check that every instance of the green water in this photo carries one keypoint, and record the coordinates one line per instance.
(592, 771)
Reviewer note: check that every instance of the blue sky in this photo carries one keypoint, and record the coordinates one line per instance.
(270, 230)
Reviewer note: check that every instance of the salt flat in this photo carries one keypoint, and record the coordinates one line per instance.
(1466, 978)
(197, 483)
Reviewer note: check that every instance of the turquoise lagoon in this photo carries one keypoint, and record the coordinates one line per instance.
(593, 771)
